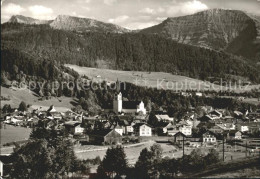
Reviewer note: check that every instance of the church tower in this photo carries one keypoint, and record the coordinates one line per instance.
(117, 103)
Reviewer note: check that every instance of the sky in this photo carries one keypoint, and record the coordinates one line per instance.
(131, 14)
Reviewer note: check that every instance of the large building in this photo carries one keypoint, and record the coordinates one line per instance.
(120, 106)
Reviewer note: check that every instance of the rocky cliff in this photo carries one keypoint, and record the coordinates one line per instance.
(71, 23)
(214, 28)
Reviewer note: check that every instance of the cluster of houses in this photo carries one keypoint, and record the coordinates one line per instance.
(130, 118)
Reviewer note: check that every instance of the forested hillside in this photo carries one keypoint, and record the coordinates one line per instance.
(129, 51)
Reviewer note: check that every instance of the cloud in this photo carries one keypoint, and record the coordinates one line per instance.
(110, 2)
(13, 9)
(140, 25)
(86, 8)
(161, 18)
(84, 1)
(119, 19)
(41, 12)
(148, 10)
(77, 15)
(185, 8)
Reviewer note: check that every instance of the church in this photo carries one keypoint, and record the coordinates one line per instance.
(120, 106)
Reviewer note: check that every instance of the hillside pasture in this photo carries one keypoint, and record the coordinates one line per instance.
(61, 104)
(158, 80)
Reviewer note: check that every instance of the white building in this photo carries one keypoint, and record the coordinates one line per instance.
(186, 130)
(164, 118)
(209, 137)
(78, 129)
(120, 106)
(1, 169)
(118, 103)
(119, 129)
(128, 129)
(145, 130)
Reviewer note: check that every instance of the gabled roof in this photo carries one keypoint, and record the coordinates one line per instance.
(102, 133)
(72, 123)
(209, 132)
(163, 117)
(130, 104)
(51, 109)
(179, 134)
(138, 125)
(215, 112)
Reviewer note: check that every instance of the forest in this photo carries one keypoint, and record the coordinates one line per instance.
(128, 51)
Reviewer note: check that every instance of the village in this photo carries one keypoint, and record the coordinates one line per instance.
(128, 122)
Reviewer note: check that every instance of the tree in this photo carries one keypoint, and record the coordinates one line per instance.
(114, 161)
(153, 121)
(33, 160)
(212, 157)
(77, 109)
(45, 156)
(147, 164)
(169, 167)
(22, 106)
(144, 164)
(197, 160)
(7, 108)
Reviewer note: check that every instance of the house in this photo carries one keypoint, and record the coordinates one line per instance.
(49, 124)
(166, 127)
(164, 118)
(238, 113)
(74, 127)
(243, 127)
(179, 137)
(198, 94)
(206, 118)
(78, 129)
(127, 128)
(119, 129)
(207, 109)
(142, 129)
(215, 114)
(227, 126)
(234, 134)
(216, 129)
(5, 162)
(120, 106)
(1, 169)
(209, 137)
(106, 136)
(186, 130)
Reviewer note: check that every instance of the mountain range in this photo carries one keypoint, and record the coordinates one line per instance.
(228, 30)
(215, 42)
(71, 23)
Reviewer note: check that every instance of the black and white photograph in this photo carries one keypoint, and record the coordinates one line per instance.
(130, 89)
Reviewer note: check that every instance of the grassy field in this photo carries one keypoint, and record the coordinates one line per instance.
(152, 79)
(132, 152)
(14, 133)
(251, 172)
(241, 168)
(62, 104)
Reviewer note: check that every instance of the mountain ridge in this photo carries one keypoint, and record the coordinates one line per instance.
(66, 22)
(72, 23)
(27, 20)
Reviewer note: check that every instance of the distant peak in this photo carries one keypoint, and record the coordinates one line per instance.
(27, 20)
